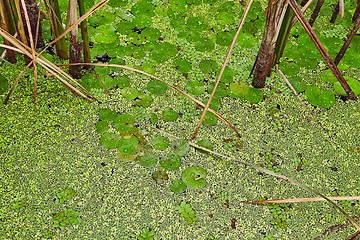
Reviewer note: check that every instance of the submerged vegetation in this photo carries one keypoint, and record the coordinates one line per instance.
(131, 155)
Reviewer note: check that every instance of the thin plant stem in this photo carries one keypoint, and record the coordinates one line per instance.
(348, 41)
(84, 35)
(226, 60)
(316, 11)
(289, 84)
(32, 45)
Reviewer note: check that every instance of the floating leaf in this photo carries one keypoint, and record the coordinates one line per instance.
(208, 66)
(105, 34)
(129, 93)
(160, 142)
(320, 98)
(101, 126)
(238, 90)
(195, 87)
(254, 95)
(205, 45)
(178, 186)
(109, 140)
(171, 162)
(180, 147)
(182, 66)
(148, 160)
(196, 24)
(353, 84)
(106, 114)
(144, 100)
(157, 87)
(194, 176)
(160, 176)
(169, 115)
(224, 38)
(210, 119)
(142, 8)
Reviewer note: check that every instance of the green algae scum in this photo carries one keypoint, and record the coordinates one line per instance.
(125, 167)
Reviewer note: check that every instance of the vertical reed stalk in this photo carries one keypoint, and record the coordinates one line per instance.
(75, 46)
(84, 35)
(57, 28)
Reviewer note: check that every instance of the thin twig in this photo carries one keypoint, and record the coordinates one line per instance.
(247, 8)
(289, 84)
(297, 200)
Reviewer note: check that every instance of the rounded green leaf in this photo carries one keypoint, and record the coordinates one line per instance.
(105, 34)
(254, 95)
(109, 140)
(238, 89)
(129, 93)
(320, 98)
(128, 146)
(180, 147)
(171, 162)
(205, 45)
(122, 81)
(195, 87)
(106, 114)
(101, 127)
(160, 176)
(148, 160)
(160, 142)
(178, 186)
(182, 66)
(157, 87)
(205, 143)
(193, 177)
(144, 100)
(169, 115)
(208, 66)
(210, 119)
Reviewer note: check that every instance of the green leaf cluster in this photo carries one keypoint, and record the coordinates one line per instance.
(187, 212)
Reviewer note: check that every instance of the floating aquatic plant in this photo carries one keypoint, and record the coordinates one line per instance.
(160, 176)
(160, 142)
(187, 212)
(320, 98)
(178, 186)
(193, 177)
(180, 147)
(195, 87)
(169, 115)
(148, 160)
(156, 87)
(171, 162)
(65, 195)
(64, 218)
(129, 93)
